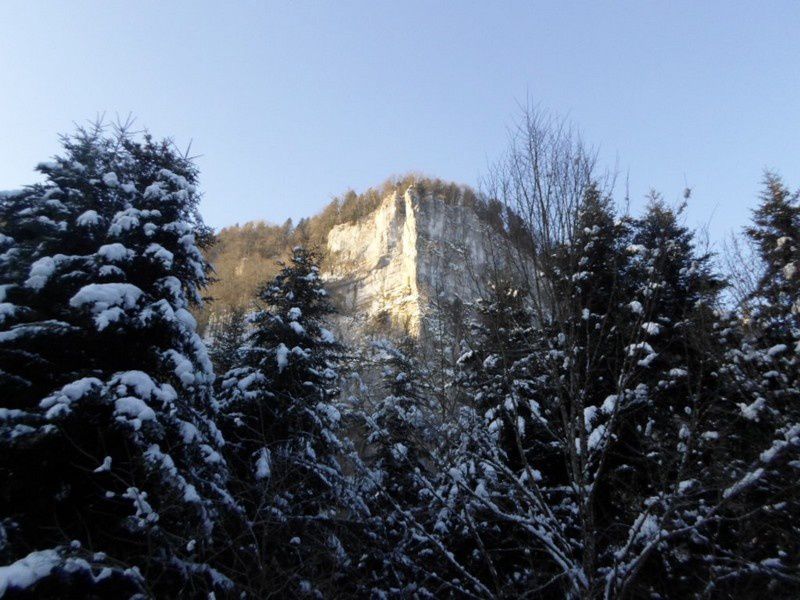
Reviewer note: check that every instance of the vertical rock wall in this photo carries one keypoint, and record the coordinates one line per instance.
(393, 269)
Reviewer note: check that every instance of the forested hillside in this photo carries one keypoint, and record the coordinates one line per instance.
(245, 255)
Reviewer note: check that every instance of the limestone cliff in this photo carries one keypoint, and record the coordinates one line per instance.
(394, 268)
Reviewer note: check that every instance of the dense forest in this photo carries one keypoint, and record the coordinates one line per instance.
(621, 418)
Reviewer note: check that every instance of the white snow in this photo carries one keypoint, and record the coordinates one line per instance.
(609, 404)
(491, 361)
(154, 190)
(185, 317)
(327, 337)
(110, 271)
(190, 494)
(596, 437)
(399, 451)
(589, 416)
(127, 219)
(777, 349)
(645, 362)
(144, 512)
(171, 285)
(189, 433)
(40, 272)
(636, 307)
(634, 348)
(752, 410)
(246, 382)
(102, 296)
(107, 301)
(87, 219)
(106, 466)
(25, 572)
(143, 385)
(330, 411)
(184, 368)
(59, 403)
(263, 464)
(651, 328)
(161, 254)
(7, 310)
(115, 252)
(743, 483)
(789, 270)
(135, 409)
(297, 328)
(648, 527)
(178, 180)
(294, 313)
(111, 180)
(105, 318)
(282, 357)
(123, 221)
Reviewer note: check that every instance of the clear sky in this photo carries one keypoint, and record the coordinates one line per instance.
(290, 103)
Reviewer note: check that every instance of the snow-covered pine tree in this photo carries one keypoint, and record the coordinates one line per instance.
(283, 422)
(227, 336)
(776, 233)
(712, 475)
(774, 320)
(398, 436)
(759, 439)
(396, 465)
(516, 507)
(490, 471)
(111, 463)
(674, 392)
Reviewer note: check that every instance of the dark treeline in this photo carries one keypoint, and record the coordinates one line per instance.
(616, 423)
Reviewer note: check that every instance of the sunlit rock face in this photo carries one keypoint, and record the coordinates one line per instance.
(395, 269)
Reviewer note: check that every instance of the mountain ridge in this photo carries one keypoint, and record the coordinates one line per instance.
(376, 238)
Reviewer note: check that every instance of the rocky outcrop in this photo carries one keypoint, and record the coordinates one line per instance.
(396, 267)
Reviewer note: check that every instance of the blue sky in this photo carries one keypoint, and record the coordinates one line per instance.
(290, 103)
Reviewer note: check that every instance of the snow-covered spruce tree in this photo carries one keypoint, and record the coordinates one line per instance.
(503, 418)
(112, 475)
(688, 465)
(227, 337)
(774, 320)
(281, 426)
(541, 387)
(398, 434)
(673, 395)
(395, 466)
(759, 441)
(776, 233)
